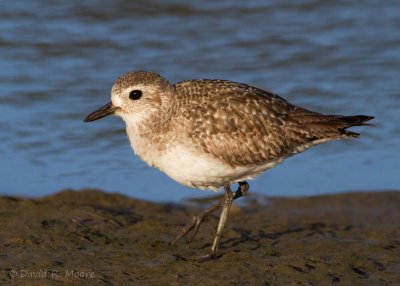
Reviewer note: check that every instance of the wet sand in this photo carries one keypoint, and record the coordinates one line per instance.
(94, 238)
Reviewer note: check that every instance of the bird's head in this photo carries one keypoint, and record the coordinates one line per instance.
(135, 96)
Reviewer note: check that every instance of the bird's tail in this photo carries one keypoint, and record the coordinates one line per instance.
(319, 126)
(350, 121)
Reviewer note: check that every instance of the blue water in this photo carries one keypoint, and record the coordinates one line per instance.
(59, 61)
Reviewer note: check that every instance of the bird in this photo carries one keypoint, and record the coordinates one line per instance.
(210, 133)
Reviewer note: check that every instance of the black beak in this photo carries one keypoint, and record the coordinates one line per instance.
(107, 109)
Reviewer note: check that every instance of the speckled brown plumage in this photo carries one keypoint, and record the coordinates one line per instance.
(140, 77)
(244, 125)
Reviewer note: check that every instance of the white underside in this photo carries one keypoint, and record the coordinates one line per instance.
(194, 168)
(200, 170)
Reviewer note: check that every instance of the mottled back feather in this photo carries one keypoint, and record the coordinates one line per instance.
(243, 125)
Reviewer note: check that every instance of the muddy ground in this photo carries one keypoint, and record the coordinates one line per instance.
(94, 238)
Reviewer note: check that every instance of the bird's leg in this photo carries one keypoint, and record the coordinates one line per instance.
(197, 220)
(226, 205)
(228, 200)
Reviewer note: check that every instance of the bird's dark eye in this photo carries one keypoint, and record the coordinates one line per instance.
(135, 94)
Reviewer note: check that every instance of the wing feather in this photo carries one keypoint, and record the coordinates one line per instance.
(244, 125)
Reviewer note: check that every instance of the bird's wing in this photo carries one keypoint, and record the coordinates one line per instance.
(240, 124)
(244, 125)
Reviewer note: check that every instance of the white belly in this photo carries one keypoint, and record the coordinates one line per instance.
(200, 170)
(192, 167)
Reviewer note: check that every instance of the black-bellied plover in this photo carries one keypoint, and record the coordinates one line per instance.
(208, 134)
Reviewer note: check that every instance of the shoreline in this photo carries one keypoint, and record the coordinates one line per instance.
(88, 236)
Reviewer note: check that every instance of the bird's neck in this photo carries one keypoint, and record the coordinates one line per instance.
(149, 138)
